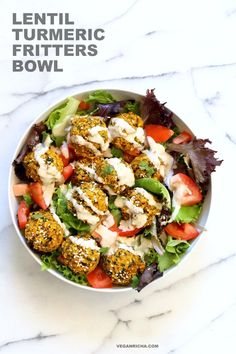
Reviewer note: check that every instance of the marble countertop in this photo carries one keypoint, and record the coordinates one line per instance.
(185, 49)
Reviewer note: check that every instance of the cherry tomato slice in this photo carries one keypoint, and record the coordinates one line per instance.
(72, 154)
(185, 189)
(158, 132)
(20, 189)
(84, 105)
(182, 231)
(99, 279)
(67, 172)
(183, 137)
(22, 214)
(36, 192)
(129, 233)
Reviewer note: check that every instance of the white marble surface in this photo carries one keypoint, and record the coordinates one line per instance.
(186, 50)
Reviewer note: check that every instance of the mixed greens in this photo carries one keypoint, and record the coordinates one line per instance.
(179, 191)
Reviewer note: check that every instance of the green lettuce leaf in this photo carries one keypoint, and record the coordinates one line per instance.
(58, 116)
(151, 257)
(174, 250)
(114, 210)
(100, 96)
(49, 261)
(70, 221)
(188, 214)
(116, 152)
(154, 186)
(28, 199)
(132, 107)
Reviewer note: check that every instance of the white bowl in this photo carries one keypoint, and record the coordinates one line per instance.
(13, 202)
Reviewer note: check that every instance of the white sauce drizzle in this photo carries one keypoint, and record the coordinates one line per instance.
(148, 196)
(118, 127)
(159, 157)
(124, 173)
(77, 139)
(48, 173)
(91, 172)
(133, 243)
(81, 212)
(48, 190)
(136, 221)
(108, 237)
(84, 243)
(95, 137)
(88, 201)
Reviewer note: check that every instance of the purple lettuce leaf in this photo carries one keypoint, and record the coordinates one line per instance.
(32, 140)
(151, 273)
(111, 109)
(154, 112)
(203, 160)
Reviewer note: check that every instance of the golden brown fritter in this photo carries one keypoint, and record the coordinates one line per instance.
(133, 119)
(98, 198)
(120, 141)
(51, 158)
(42, 231)
(81, 254)
(101, 171)
(150, 205)
(122, 266)
(88, 202)
(80, 174)
(81, 127)
(143, 167)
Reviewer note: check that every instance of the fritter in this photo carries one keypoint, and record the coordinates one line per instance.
(42, 231)
(81, 254)
(89, 136)
(122, 266)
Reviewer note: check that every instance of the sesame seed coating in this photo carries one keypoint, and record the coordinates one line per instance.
(78, 258)
(122, 266)
(133, 119)
(80, 126)
(138, 165)
(140, 200)
(42, 231)
(31, 165)
(136, 122)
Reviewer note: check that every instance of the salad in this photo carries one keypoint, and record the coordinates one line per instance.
(110, 191)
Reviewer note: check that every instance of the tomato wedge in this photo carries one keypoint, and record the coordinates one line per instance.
(72, 154)
(114, 228)
(127, 157)
(84, 105)
(130, 155)
(158, 132)
(124, 233)
(20, 189)
(22, 214)
(134, 152)
(186, 191)
(99, 279)
(129, 233)
(64, 154)
(67, 172)
(183, 137)
(96, 235)
(36, 192)
(182, 231)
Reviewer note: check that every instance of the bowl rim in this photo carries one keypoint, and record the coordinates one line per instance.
(40, 117)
